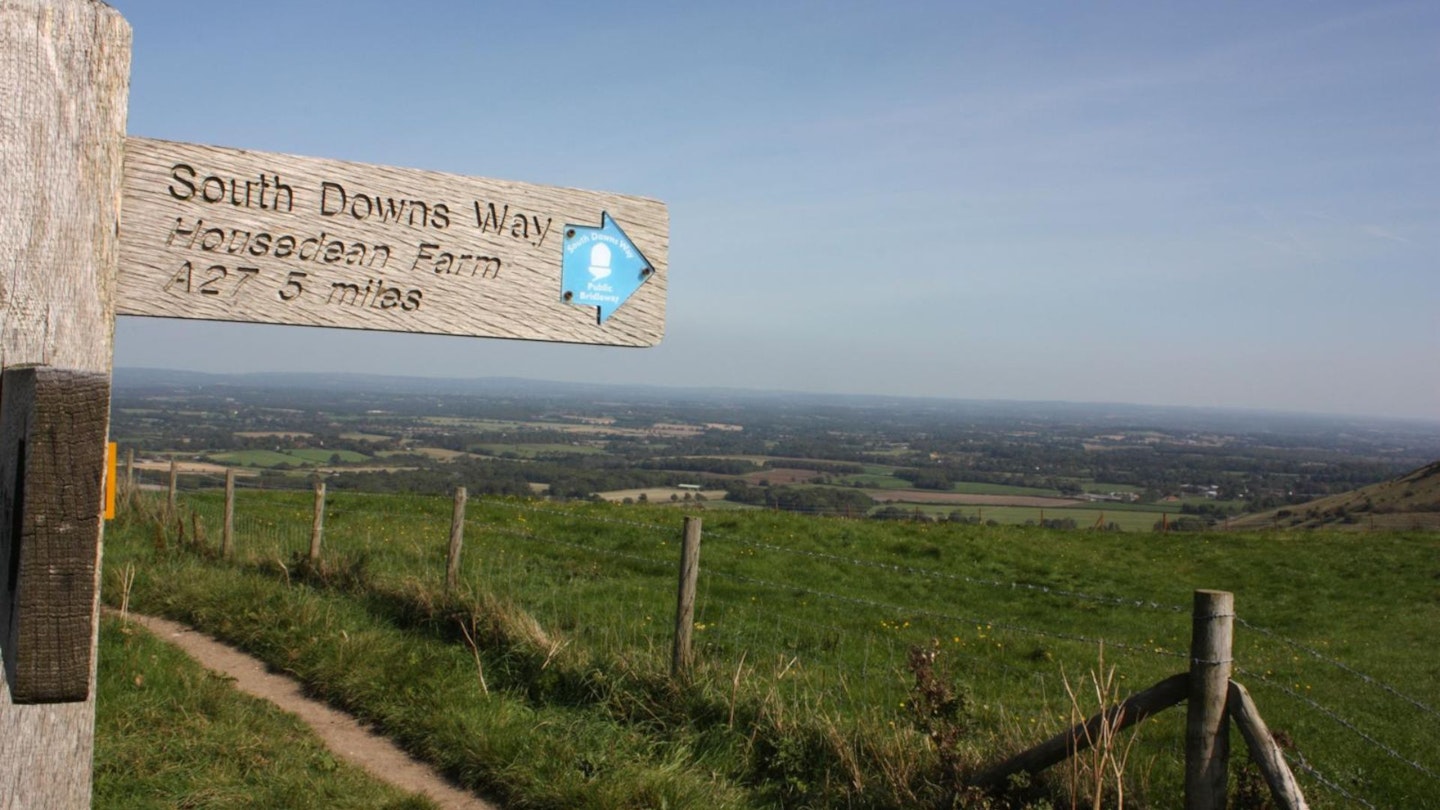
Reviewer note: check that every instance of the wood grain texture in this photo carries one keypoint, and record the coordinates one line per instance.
(221, 234)
(682, 655)
(64, 80)
(317, 524)
(1207, 725)
(64, 76)
(52, 461)
(1264, 751)
(457, 540)
(227, 533)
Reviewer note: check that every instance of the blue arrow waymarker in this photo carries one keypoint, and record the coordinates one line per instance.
(600, 267)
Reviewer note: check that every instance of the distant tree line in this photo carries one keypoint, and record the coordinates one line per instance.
(828, 467)
(716, 466)
(813, 500)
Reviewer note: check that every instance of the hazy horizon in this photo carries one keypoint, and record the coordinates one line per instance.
(123, 378)
(1202, 206)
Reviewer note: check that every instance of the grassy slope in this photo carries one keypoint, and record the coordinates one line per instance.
(804, 618)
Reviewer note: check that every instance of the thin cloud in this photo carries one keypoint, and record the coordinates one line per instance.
(1381, 233)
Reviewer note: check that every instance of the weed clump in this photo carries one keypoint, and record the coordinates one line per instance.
(937, 708)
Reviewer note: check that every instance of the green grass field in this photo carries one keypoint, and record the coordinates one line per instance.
(802, 695)
(1104, 488)
(254, 458)
(323, 456)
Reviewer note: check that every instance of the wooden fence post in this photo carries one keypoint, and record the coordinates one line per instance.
(64, 79)
(1264, 751)
(681, 658)
(129, 471)
(174, 485)
(1207, 729)
(457, 536)
(227, 536)
(317, 527)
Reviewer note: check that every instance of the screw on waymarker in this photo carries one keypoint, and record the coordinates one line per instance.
(568, 295)
(570, 234)
(647, 272)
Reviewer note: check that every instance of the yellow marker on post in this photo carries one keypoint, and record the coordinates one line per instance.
(112, 453)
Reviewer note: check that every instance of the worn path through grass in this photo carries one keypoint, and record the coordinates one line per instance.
(340, 732)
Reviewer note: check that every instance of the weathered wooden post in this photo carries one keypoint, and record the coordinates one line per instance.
(1207, 729)
(64, 78)
(1264, 751)
(227, 536)
(682, 657)
(317, 527)
(457, 537)
(174, 486)
(129, 471)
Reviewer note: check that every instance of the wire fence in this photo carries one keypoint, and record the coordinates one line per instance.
(828, 618)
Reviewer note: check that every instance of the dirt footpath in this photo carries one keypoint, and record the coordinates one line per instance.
(340, 732)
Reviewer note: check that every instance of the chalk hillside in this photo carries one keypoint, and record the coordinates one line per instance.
(1410, 501)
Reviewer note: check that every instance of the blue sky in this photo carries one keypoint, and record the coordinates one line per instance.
(1219, 204)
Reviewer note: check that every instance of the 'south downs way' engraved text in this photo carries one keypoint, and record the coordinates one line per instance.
(328, 267)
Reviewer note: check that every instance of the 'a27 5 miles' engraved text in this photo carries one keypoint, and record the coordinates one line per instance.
(221, 281)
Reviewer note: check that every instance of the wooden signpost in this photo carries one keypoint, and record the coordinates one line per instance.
(229, 235)
(234, 235)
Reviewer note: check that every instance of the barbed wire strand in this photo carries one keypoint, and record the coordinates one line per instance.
(604, 552)
(1330, 713)
(901, 609)
(917, 571)
(1300, 762)
(1317, 655)
(574, 516)
(941, 575)
(1015, 628)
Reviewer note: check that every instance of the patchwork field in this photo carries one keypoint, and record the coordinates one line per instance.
(185, 467)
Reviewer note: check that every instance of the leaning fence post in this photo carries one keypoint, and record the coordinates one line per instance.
(1207, 728)
(457, 536)
(681, 658)
(227, 537)
(1264, 751)
(318, 526)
